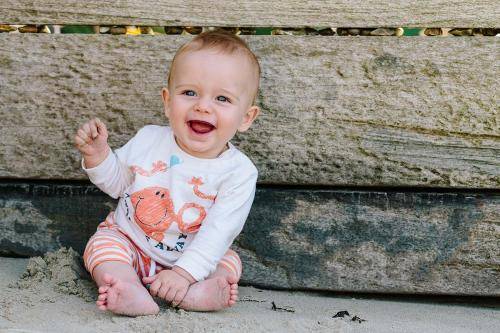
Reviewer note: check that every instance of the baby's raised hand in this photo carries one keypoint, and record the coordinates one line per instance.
(91, 140)
(169, 285)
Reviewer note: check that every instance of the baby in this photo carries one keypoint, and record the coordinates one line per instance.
(185, 191)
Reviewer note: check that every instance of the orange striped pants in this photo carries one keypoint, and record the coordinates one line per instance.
(110, 243)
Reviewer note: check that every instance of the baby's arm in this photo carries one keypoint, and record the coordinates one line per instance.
(104, 169)
(224, 221)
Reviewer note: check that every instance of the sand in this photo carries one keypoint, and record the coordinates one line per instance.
(53, 294)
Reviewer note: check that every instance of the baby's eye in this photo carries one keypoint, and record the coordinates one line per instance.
(223, 99)
(189, 93)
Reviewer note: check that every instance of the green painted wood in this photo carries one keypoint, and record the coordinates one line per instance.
(338, 240)
(338, 111)
(254, 13)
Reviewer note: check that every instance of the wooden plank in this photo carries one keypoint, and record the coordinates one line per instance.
(338, 111)
(255, 13)
(340, 240)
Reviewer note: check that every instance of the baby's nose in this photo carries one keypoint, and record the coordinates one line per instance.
(203, 107)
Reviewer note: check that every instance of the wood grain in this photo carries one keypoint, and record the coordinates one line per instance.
(255, 13)
(336, 111)
(337, 240)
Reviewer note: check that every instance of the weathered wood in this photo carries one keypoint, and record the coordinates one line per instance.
(341, 240)
(389, 242)
(255, 13)
(35, 218)
(350, 110)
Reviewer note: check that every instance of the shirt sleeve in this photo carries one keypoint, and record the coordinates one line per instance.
(113, 175)
(224, 221)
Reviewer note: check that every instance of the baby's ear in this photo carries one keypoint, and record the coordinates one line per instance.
(248, 118)
(165, 96)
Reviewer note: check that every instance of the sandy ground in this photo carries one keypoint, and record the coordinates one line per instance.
(49, 295)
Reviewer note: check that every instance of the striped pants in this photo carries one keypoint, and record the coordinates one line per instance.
(110, 243)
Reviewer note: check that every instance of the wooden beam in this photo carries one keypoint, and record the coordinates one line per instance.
(254, 13)
(338, 240)
(338, 111)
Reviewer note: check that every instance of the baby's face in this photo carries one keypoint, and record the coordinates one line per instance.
(208, 100)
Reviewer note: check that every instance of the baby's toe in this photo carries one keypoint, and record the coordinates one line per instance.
(103, 289)
(102, 297)
(232, 300)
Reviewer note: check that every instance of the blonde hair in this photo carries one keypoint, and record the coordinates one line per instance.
(222, 41)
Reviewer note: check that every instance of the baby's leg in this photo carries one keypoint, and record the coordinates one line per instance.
(219, 290)
(109, 256)
(121, 291)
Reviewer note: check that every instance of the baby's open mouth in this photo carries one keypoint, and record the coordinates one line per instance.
(200, 126)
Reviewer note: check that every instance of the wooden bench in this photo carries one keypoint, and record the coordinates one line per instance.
(379, 157)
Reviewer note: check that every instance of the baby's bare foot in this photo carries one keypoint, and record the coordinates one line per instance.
(211, 295)
(125, 298)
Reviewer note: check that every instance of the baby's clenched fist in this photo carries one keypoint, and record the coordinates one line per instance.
(91, 140)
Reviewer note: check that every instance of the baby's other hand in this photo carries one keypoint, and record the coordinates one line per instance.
(91, 140)
(169, 285)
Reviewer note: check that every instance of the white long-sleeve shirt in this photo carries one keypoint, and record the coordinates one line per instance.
(177, 208)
